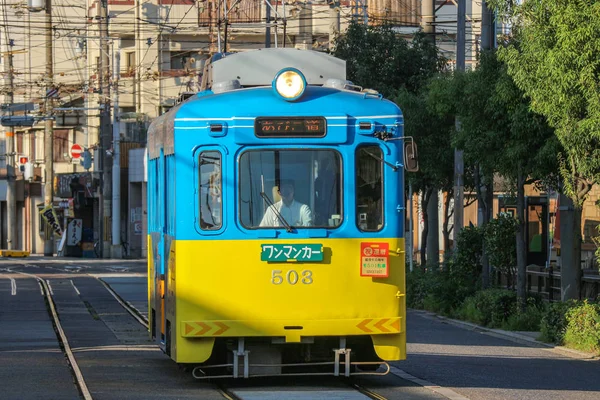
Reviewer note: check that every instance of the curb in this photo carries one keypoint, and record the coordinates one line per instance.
(516, 337)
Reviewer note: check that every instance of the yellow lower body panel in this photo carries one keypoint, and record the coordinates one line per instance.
(224, 290)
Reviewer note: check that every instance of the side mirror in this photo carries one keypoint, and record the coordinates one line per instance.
(411, 162)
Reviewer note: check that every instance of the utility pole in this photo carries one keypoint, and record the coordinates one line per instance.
(268, 26)
(49, 131)
(486, 203)
(433, 239)
(334, 24)
(488, 31)
(458, 154)
(138, 58)
(428, 18)
(116, 171)
(359, 12)
(105, 132)
(11, 200)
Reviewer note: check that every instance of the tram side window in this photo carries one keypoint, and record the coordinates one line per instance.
(211, 198)
(369, 189)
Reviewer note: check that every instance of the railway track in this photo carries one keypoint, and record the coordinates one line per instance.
(340, 388)
(62, 338)
(228, 392)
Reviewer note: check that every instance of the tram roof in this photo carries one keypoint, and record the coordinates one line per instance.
(258, 67)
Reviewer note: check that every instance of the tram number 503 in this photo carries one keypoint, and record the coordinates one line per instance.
(292, 277)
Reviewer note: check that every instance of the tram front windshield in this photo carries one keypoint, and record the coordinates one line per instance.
(290, 188)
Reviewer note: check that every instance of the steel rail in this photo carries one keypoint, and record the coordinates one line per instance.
(223, 391)
(126, 305)
(367, 392)
(62, 338)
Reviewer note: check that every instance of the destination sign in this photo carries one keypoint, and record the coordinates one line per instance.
(290, 127)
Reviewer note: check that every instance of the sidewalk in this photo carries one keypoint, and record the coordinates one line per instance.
(527, 338)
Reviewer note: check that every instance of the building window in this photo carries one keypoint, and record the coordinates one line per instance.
(19, 148)
(179, 59)
(62, 150)
(130, 63)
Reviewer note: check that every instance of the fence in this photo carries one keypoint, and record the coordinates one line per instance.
(546, 282)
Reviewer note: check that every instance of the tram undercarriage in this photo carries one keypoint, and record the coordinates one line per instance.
(259, 357)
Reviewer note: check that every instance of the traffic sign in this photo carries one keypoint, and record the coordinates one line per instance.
(76, 150)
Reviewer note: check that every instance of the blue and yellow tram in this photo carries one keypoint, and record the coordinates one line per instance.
(275, 220)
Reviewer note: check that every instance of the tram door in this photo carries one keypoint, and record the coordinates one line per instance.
(536, 230)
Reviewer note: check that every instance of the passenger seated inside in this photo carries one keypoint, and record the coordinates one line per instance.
(292, 211)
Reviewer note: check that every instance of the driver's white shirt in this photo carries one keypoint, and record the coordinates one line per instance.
(296, 214)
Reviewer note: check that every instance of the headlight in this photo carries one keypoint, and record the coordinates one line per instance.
(289, 83)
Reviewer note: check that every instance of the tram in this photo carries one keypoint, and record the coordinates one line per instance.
(276, 220)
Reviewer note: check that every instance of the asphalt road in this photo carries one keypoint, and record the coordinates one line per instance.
(480, 366)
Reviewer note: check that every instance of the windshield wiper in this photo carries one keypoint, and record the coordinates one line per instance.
(288, 227)
(395, 168)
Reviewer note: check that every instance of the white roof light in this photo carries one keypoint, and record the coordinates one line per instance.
(289, 83)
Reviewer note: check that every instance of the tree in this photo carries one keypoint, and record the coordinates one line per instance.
(381, 59)
(481, 138)
(498, 238)
(500, 135)
(555, 60)
(433, 134)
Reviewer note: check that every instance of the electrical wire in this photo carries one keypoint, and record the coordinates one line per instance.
(64, 30)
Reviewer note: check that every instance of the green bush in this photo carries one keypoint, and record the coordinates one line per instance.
(466, 260)
(443, 289)
(469, 311)
(583, 327)
(528, 319)
(554, 322)
(429, 288)
(418, 285)
(491, 307)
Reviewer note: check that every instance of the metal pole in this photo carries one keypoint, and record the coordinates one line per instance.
(11, 200)
(138, 60)
(427, 18)
(268, 28)
(334, 25)
(49, 132)
(105, 131)
(458, 154)
(410, 225)
(488, 32)
(116, 170)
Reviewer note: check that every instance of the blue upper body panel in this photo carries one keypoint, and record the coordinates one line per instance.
(236, 111)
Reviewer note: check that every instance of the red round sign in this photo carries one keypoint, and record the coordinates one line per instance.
(76, 150)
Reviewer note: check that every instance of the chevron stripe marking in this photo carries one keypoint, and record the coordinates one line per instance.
(396, 325)
(203, 328)
(222, 327)
(188, 328)
(379, 325)
(363, 326)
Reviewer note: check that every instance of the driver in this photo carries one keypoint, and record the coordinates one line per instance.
(294, 212)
